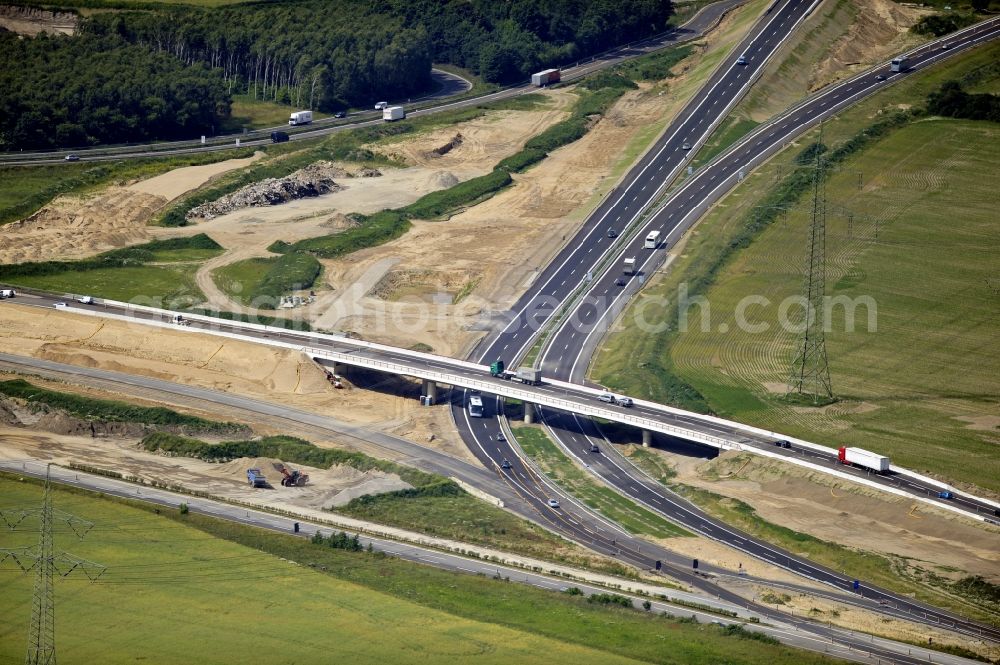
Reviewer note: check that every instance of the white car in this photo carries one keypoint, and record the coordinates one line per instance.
(606, 397)
(623, 401)
(742, 60)
(7, 293)
(553, 503)
(381, 105)
(59, 305)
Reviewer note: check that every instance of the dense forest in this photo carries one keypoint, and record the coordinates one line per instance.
(75, 91)
(169, 72)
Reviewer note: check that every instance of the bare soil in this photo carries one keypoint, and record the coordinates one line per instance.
(78, 226)
(326, 488)
(282, 376)
(848, 514)
(30, 21)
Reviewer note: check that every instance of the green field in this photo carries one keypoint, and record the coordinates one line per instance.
(171, 285)
(921, 388)
(240, 280)
(625, 512)
(184, 589)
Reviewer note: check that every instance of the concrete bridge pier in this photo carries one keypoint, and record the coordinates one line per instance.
(647, 438)
(529, 413)
(430, 391)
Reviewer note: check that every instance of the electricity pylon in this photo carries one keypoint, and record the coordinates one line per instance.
(810, 373)
(44, 560)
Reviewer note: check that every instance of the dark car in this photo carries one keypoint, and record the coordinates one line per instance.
(279, 137)
(72, 158)
(505, 464)
(620, 281)
(612, 233)
(880, 77)
(340, 114)
(783, 444)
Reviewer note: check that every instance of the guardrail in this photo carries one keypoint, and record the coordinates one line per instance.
(420, 368)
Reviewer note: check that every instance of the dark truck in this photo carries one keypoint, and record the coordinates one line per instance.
(279, 137)
(528, 375)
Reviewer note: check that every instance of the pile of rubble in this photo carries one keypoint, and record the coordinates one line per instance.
(312, 180)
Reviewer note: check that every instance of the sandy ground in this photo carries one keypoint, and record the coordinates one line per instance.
(854, 618)
(30, 21)
(75, 226)
(848, 514)
(286, 377)
(326, 487)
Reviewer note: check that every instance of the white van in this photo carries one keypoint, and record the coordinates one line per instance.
(653, 240)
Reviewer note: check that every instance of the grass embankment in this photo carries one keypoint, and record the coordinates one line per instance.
(317, 603)
(905, 391)
(625, 512)
(261, 282)
(25, 189)
(246, 112)
(126, 274)
(90, 408)
(890, 572)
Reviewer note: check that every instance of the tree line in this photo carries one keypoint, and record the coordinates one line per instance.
(170, 72)
(77, 91)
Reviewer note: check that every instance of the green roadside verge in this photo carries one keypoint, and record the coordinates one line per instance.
(90, 408)
(157, 273)
(323, 602)
(624, 512)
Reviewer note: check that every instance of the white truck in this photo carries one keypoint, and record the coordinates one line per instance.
(864, 459)
(630, 266)
(391, 113)
(300, 118)
(543, 78)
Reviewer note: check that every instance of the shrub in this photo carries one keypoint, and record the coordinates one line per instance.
(290, 449)
(90, 408)
(437, 204)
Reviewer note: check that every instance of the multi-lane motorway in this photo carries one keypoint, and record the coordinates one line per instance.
(598, 296)
(577, 266)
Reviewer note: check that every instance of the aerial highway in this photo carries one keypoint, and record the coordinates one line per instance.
(598, 296)
(522, 488)
(449, 85)
(583, 255)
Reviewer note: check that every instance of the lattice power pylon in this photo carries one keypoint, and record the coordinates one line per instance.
(810, 375)
(46, 563)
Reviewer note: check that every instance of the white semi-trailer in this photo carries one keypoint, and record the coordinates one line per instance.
(864, 459)
(300, 118)
(391, 113)
(543, 78)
